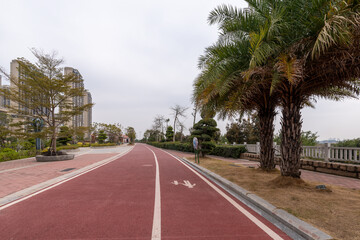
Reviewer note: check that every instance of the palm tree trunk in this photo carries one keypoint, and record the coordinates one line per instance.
(291, 134)
(267, 152)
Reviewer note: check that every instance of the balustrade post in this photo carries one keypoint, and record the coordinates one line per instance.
(257, 148)
(327, 152)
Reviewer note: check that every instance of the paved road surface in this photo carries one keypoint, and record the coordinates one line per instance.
(146, 194)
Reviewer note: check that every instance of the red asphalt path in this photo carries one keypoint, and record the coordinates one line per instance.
(116, 201)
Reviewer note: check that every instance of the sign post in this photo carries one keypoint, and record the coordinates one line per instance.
(196, 149)
(38, 124)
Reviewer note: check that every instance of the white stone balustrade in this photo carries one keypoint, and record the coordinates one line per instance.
(325, 152)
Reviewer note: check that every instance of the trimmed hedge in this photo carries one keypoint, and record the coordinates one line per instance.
(83, 144)
(183, 147)
(7, 154)
(218, 150)
(102, 144)
(67, 147)
(228, 151)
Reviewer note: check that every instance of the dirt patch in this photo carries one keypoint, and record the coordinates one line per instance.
(334, 210)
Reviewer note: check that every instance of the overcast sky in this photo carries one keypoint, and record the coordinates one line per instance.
(138, 58)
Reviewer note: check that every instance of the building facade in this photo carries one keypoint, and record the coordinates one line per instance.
(84, 119)
(4, 102)
(87, 115)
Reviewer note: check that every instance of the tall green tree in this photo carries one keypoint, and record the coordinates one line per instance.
(223, 85)
(102, 136)
(151, 135)
(43, 91)
(65, 135)
(234, 133)
(205, 131)
(244, 130)
(130, 132)
(349, 143)
(177, 111)
(112, 130)
(169, 133)
(308, 138)
(158, 127)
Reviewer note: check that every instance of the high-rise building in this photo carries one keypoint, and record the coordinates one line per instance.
(87, 115)
(4, 102)
(85, 119)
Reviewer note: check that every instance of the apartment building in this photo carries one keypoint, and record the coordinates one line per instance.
(85, 119)
(3, 100)
(87, 115)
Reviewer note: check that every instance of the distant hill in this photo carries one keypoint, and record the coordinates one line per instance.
(329, 141)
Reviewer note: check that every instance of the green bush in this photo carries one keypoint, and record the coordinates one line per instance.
(217, 150)
(183, 147)
(228, 151)
(7, 154)
(103, 144)
(207, 148)
(67, 147)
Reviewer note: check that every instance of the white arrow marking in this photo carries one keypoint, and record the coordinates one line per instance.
(186, 183)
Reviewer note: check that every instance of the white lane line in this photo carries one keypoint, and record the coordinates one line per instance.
(261, 225)
(108, 160)
(156, 229)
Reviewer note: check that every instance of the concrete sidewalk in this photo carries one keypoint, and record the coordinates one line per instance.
(17, 175)
(321, 178)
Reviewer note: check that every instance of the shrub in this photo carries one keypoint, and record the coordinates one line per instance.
(218, 150)
(67, 147)
(103, 144)
(228, 151)
(27, 153)
(83, 144)
(183, 147)
(45, 150)
(7, 154)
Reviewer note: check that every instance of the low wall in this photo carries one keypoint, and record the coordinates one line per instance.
(341, 169)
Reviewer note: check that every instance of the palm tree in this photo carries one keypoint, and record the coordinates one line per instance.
(222, 85)
(281, 52)
(316, 53)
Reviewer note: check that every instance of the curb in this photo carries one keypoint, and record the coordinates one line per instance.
(302, 228)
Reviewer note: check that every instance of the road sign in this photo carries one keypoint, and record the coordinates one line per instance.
(195, 143)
